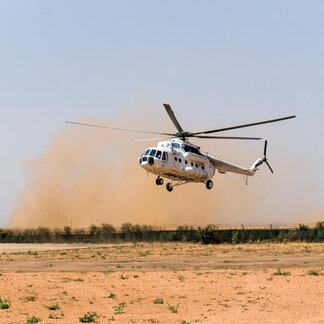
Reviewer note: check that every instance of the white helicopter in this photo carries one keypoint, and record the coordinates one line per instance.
(182, 162)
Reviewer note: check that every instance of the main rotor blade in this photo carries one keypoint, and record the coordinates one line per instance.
(149, 139)
(173, 117)
(245, 125)
(120, 129)
(228, 137)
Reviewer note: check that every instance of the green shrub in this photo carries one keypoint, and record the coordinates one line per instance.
(235, 237)
(319, 225)
(158, 301)
(107, 228)
(280, 272)
(90, 317)
(33, 320)
(4, 303)
(53, 307)
(67, 230)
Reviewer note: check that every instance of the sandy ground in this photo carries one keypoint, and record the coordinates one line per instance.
(163, 283)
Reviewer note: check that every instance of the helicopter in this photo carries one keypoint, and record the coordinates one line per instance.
(182, 162)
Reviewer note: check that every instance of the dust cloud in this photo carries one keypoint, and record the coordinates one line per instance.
(92, 176)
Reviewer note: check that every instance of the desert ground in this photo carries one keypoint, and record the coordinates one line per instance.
(162, 283)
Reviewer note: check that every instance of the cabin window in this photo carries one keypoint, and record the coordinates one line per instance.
(158, 154)
(186, 162)
(196, 165)
(152, 152)
(180, 160)
(203, 167)
(191, 149)
(192, 164)
(164, 156)
(175, 158)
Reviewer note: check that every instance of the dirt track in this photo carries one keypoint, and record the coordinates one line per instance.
(197, 283)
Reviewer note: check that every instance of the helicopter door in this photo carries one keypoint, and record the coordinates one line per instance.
(175, 163)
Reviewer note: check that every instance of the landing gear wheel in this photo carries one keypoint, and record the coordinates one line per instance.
(169, 187)
(209, 184)
(159, 181)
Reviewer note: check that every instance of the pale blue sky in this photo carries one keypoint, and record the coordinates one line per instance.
(217, 62)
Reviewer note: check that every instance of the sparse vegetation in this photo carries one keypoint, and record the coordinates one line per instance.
(280, 272)
(31, 298)
(173, 309)
(158, 301)
(303, 227)
(235, 237)
(4, 303)
(33, 320)
(314, 272)
(319, 225)
(112, 295)
(119, 309)
(90, 317)
(210, 234)
(107, 228)
(67, 230)
(53, 307)
(124, 277)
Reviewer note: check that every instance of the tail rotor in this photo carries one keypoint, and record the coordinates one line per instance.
(264, 159)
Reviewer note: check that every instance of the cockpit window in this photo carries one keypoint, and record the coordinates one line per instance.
(164, 156)
(158, 154)
(147, 152)
(152, 152)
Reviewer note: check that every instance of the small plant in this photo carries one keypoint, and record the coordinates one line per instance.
(279, 272)
(31, 298)
(119, 309)
(4, 303)
(158, 301)
(234, 237)
(53, 307)
(112, 295)
(184, 322)
(33, 320)
(314, 272)
(90, 317)
(181, 278)
(123, 277)
(173, 309)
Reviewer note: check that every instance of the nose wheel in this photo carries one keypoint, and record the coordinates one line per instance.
(209, 184)
(159, 181)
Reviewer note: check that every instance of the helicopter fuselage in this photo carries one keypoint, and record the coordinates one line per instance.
(177, 160)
